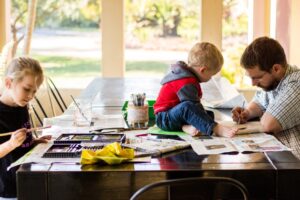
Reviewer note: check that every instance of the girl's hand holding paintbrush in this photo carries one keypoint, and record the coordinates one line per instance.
(17, 137)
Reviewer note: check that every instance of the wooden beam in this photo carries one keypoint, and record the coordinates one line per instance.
(113, 48)
(258, 19)
(4, 22)
(211, 12)
(29, 26)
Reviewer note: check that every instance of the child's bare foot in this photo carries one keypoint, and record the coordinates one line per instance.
(190, 130)
(224, 131)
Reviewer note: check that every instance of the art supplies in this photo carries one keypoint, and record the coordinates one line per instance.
(70, 145)
(71, 138)
(69, 150)
(138, 99)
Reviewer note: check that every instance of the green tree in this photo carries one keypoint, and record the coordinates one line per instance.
(54, 13)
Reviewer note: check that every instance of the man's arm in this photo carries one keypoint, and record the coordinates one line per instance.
(270, 124)
(254, 110)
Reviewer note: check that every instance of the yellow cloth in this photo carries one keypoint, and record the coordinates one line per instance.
(111, 154)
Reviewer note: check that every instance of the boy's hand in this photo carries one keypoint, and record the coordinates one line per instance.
(43, 139)
(240, 115)
(18, 137)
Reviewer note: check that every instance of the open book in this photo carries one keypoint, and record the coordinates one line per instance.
(249, 127)
(259, 142)
(219, 93)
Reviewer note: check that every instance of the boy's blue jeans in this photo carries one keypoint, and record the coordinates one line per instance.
(184, 113)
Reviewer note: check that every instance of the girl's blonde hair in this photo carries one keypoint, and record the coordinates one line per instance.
(19, 67)
(205, 54)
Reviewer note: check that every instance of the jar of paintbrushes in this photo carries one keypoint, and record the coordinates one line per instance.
(138, 110)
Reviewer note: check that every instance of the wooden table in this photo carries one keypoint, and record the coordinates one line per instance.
(273, 175)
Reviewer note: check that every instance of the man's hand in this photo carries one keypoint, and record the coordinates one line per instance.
(240, 115)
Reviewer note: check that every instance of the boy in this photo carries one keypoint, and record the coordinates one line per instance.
(178, 104)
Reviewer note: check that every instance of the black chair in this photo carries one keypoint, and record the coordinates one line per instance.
(37, 112)
(56, 94)
(186, 182)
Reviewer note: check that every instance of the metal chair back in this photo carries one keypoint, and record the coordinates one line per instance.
(191, 181)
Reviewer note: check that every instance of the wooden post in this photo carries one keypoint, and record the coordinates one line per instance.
(4, 22)
(258, 19)
(211, 12)
(113, 47)
(30, 26)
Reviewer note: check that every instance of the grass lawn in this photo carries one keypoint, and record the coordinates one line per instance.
(56, 66)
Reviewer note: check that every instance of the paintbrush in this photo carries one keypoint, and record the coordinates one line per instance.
(28, 130)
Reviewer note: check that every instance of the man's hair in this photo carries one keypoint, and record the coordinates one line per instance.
(263, 52)
(205, 54)
(19, 67)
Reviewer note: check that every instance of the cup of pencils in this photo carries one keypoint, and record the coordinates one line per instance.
(137, 112)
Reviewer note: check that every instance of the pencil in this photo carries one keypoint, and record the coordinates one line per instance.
(239, 121)
(28, 130)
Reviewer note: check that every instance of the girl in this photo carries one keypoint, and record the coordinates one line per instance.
(22, 79)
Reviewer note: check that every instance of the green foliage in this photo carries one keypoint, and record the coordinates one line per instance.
(170, 16)
(234, 19)
(147, 66)
(59, 66)
(62, 13)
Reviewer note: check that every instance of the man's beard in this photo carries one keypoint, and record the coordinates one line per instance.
(270, 87)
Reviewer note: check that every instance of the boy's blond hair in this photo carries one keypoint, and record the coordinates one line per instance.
(205, 54)
(22, 66)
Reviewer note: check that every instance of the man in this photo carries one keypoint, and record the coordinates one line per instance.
(278, 105)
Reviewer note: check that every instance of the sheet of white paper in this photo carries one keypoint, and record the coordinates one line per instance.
(219, 93)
